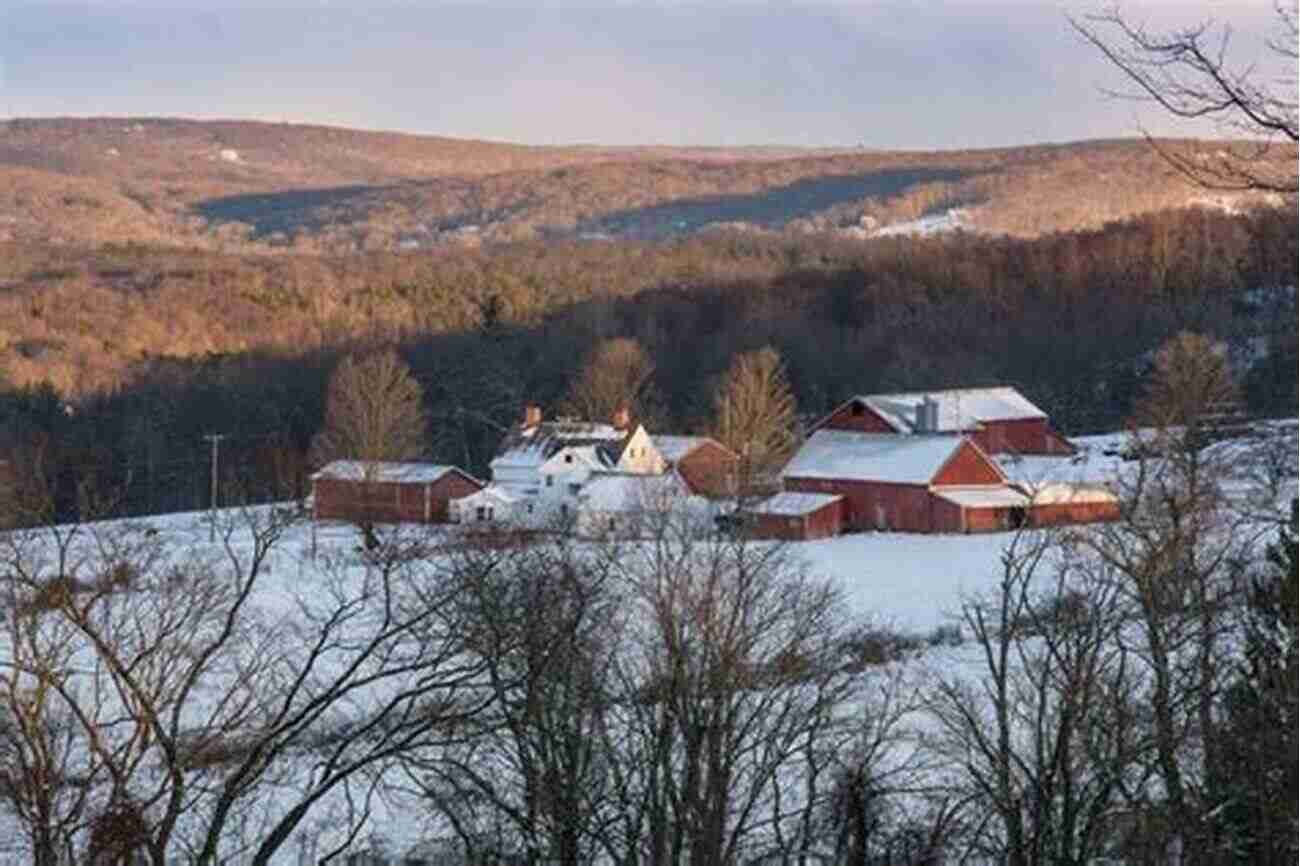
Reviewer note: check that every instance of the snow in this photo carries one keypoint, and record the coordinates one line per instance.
(530, 447)
(884, 457)
(983, 497)
(950, 220)
(381, 471)
(794, 504)
(631, 492)
(912, 582)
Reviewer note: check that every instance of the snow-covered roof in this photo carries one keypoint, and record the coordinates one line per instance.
(883, 457)
(958, 409)
(613, 492)
(983, 497)
(1060, 494)
(383, 471)
(674, 448)
(530, 447)
(1037, 469)
(491, 493)
(792, 503)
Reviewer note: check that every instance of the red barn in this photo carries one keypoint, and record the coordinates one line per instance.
(706, 465)
(794, 516)
(915, 483)
(382, 492)
(999, 420)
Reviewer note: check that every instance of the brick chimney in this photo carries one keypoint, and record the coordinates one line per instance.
(622, 418)
(532, 416)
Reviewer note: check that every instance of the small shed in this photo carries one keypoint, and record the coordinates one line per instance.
(980, 509)
(1062, 504)
(793, 516)
(388, 492)
(491, 504)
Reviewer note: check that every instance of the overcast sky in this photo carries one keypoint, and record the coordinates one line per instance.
(888, 74)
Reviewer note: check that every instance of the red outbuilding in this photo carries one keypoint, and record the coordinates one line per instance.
(708, 467)
(999, 420)
(794, 516)
(383, 492)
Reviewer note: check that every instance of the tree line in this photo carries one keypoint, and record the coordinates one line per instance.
(1072, 320)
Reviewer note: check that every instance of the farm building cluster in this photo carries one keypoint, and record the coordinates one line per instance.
(957, 461)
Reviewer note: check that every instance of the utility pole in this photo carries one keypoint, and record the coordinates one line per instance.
(215, 439)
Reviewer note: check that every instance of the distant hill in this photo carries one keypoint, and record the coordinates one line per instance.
(239, 185)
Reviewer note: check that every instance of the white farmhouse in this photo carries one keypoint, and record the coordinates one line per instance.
(545, 464)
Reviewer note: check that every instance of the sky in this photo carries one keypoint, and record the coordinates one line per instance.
(910, 74)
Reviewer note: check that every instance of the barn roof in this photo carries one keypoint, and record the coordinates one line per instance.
(958, 409)
(529, 447)
(854, 456)
(793, 504)
(385, 471)
(674, 448)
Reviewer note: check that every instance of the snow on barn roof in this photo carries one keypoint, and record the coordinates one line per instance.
(528, 447)
(1061, 494)
(619, 491)
(384, 471)
(1037, 470)
(674, 448)
(793, 504)
(959, 409)
(983, 497)
(885, 457)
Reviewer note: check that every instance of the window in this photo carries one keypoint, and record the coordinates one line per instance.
(480, 513)
(613, 524)
(564, 510)
(574, 488)
(530, 508)
(549, 480)
(857, 410)
(568, 458)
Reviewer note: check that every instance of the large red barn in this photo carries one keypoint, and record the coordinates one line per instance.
(999, 420)
(383, 492)
(915, 483)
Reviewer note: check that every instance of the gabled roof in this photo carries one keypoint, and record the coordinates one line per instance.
(530, 447)
(958, 409)
(674, 448)
(854, 456)
(793, 504)
(386, 472)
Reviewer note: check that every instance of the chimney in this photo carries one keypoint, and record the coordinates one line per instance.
(622, 418)
(532, 416)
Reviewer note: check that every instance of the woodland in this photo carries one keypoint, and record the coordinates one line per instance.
(110, 381)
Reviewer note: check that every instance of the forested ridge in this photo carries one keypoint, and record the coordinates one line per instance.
(148, 349)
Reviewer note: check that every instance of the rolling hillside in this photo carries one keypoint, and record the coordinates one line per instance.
(249, 185)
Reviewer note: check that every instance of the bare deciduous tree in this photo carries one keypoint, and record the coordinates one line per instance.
(374, 412)
(735, 676)
(1044, 737)
(1187, 72)
(617, 374)
(755, 412)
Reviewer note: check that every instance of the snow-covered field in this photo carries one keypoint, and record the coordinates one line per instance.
(909, 583)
